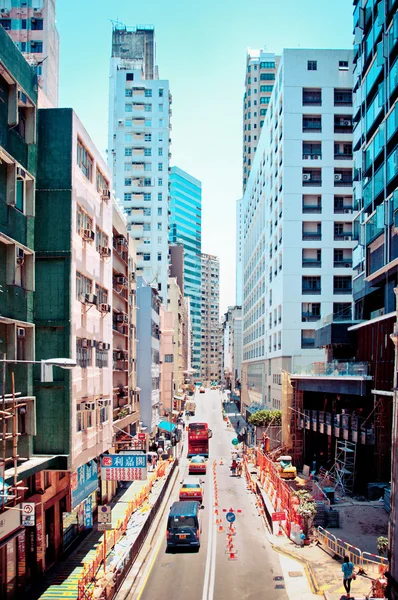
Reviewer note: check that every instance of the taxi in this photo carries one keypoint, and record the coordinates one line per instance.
(197, 464)
(202, 391)
(191, 489)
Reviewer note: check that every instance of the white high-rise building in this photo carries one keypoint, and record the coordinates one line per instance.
(238, 245)
(297, 220)
(139, 148)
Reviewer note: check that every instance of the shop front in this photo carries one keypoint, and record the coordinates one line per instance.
(12, 554)
(84, 485)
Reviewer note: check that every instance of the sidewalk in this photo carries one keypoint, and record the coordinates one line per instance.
(62, 582)
(323, 571)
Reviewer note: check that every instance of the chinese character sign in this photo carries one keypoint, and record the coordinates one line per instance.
(84, 482)
(124, 467)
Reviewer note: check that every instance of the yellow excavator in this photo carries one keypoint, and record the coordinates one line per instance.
(286, 469)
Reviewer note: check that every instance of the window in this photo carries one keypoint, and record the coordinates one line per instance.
(127, 181)
(147, 212)
(84, 160)
(147, 257)
(343, 65)
(104, 414)
(36, 46)
(147, 151)
(342, 97)
(128, 93)
(101, 183)
(20, 195)
(311, 285)
(101, 240)
(342, 311)
(23, 24)
(148, 137)
(161, 93)
(83, 221)
(127, 166)
(160, 122)
(266, 88)
(6, 24)
(101, 356)
(312, 65)
(160, 196)
(312, 97)
(159, 227)
(147, 196)
(312, 123)
(267, 65)
(147, 227)
(159, 256)
(148, 123)
(102, 294)
(148, 93)
(83, 353)
(147, 166)
(342, 284)
(160, 107)
(169, 358)
(159, 240)
(160, 151)
(267, 77)
(128, 152)
(84, 286)
(79, 421)
(263, 112)
(127, 197)
(160, 181)
(148, 107)
(128, 108)
(159, 212)
(129, 76)
(160, 166)
(160, 137)
(147, 181)
(128, 122)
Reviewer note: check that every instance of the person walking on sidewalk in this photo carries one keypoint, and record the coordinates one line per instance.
(348, 574)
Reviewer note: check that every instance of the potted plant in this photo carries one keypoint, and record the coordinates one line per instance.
(382, 545)
(306, 509)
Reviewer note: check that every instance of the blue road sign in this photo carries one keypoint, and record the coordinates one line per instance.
(230, 516)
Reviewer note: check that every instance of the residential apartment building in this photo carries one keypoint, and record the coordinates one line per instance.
(73, 293)
(139, 148)
(148, 349)
(261, 67)
(32, 26)
(211, 343)
(125, 402)
(232, 345)
(297, 220)
(186, 230)
(167, 369)
(238, 246)
(176, 306)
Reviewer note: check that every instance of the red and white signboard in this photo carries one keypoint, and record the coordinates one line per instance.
(279, 516)
(142, 436)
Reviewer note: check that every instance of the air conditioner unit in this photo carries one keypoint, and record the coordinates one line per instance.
(347, 211)
(37, 11)
(105, 195)
(132, 276)
(21, 173)
(306, 156)
(91, 298)
(316, 156)
(104, 308)
(120, 356)
(347, 238)
(21, 332)
(105, 251)
(121, 280)
(122, 318)
(306, 177)
(88, 235)
(4, 12)
(345, 122)
(120, 122)
(100, 346)
(19, 255)
(338, 177)
(347, 265)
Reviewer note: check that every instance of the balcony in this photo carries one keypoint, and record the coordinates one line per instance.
(345, 236)
(311, 180)
(344, 290)
(311, 290)
(343, 156)
(343, 209)
(312, 208)
(311, 263)
(307, 343)
(342, 125)
(312, 236)
(309, 317)
(342, 181)
(312, 98)
(343, 264)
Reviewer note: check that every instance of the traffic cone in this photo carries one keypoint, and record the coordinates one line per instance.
(220, 527)
(221, 461)
(232, 530)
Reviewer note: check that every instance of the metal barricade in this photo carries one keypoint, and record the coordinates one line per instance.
(353, 553)
(373, 564)
(327, 539)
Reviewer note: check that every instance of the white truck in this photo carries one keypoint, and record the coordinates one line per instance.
(190, 407)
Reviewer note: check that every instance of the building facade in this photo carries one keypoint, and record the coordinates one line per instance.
(148, 349)
(261, 67)
(186, 230)
(167, 368)
(32, 26)
(139, 148)
(211, 343)
(238, 246)
(297, 220)
(232, 346)
(125, 403)
(176, 305)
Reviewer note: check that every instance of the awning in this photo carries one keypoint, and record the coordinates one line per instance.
(178, 397)
(166, 426)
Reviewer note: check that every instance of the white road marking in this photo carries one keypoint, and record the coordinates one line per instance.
(210, 537)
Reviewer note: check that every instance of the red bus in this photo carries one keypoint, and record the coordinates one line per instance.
(198, 439)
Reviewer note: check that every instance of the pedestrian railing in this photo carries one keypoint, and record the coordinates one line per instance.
(372, 564)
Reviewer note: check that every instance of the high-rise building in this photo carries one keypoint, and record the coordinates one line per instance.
(186, 230)
(238, 246)
(32, 26)
(259, 82)
(211, 342)
(139, 148)
(297, 220)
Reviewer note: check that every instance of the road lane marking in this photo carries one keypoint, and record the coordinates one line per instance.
(210, 539)
(157, 549)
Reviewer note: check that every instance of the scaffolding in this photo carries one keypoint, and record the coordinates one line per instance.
(342, 474)
(292, 407)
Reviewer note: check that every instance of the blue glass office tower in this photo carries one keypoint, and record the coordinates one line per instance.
(186, 230)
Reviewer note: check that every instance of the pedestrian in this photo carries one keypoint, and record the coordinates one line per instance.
(348, 574)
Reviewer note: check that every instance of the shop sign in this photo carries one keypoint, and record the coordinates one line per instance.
(28, 514)
(10, 520)
(314, 419)
(321, 421)
(328, 421)
(84, 482)
(88, 513)
(124, 467)
(105, 527)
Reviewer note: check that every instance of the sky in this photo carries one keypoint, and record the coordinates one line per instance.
(201, 49)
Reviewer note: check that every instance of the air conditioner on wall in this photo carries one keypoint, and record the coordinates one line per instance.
(306, 177)
(338, 177)
(19, 255)
(21, 332)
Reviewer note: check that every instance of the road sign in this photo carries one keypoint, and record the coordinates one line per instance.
(279, 516)
(230, 516)
(234, 441)
(28, 514)
(105, 514)
(104, 526)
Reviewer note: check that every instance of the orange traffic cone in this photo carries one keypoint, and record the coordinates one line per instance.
(220, 527)
(221, 461)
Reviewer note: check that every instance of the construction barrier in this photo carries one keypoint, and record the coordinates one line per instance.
(372, 564)
(110, 539)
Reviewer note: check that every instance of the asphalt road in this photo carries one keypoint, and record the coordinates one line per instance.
(209, 573)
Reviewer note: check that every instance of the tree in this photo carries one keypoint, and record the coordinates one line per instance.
(263, 418)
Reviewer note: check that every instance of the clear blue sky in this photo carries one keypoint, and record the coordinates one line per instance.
(201, 48)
